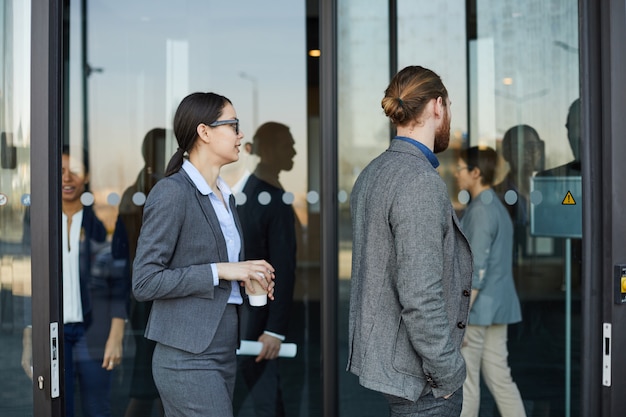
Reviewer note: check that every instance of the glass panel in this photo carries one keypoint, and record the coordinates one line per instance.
(142, 58)
(441, 24)
(15, 277)
(363, 129)
(500, 72)
(523, 71)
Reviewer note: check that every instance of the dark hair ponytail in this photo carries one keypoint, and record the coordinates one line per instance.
(193, 110)
(175, 163)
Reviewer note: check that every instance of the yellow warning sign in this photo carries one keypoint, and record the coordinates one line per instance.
(569, 200)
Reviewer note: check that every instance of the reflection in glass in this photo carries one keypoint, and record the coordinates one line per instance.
(94, 294)
(270, 229)
(15, 263)
(148, 59)
(523, 150)
(522, 79)
(143, 395)
(506, 64)
(363, 133)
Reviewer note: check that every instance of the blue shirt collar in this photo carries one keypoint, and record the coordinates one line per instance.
(201, 183)
(425, 150)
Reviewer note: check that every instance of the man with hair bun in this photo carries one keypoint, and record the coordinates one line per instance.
(411, 264)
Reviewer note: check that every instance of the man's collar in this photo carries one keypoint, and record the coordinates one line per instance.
(425, 150)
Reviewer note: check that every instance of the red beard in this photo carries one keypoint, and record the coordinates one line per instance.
(442, 135)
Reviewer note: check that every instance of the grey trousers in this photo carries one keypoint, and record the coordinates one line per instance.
(199, 385)
(426, 406)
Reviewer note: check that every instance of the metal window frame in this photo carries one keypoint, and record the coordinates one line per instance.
(603, 81)
(592, 226)
(329, 218)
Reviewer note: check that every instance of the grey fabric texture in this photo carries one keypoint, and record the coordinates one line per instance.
(199, 385)
(489, 229)
(180, 238)
(411, 279)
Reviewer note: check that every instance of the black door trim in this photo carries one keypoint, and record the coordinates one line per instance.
(603, 82)
(45, 154)
(328, 205)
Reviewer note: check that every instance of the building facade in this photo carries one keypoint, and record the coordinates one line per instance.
(100, 75)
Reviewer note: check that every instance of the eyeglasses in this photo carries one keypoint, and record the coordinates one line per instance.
(233, 122)
(460, 168)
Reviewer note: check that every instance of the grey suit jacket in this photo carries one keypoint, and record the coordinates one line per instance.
(489, 229)
(411, 278)
(180, 238)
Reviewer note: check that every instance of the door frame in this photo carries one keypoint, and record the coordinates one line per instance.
(329, 217)
(46, 136)
(603, 82)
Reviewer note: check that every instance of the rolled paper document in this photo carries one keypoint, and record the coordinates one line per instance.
(251, 348)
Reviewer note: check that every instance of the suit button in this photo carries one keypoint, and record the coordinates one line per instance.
(466, 293)
(460, 325)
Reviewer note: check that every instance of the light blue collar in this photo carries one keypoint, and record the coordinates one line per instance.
(201, 183)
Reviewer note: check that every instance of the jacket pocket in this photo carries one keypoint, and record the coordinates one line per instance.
(405, 358)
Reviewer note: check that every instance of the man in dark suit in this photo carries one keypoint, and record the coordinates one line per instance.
(268, 223)
(572, 124)
(570, 169)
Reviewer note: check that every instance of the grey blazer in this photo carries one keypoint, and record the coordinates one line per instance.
(179, 239)
(411, 278)
(489, 229)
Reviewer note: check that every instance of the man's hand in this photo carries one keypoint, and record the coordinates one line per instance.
(271, 346)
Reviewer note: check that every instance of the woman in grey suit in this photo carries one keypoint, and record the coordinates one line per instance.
(189, 264)
(493, 301)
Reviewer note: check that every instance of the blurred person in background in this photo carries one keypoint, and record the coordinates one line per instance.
(494, 301)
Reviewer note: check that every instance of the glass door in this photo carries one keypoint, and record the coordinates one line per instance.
(130, 64)
(512, 74)
(524, 101)
(15, 266)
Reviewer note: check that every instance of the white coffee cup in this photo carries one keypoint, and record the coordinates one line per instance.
(259, 297)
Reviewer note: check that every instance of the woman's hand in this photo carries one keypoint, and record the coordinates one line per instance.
(243, 272)
(113, 348)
